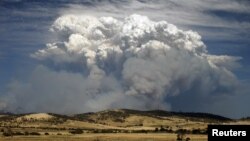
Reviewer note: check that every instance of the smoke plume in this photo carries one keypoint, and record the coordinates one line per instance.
(97, 63)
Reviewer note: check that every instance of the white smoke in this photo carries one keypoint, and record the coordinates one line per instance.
(100, 63)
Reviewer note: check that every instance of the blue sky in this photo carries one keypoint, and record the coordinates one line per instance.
(223, 24)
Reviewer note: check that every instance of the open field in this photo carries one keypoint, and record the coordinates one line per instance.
(107, 137)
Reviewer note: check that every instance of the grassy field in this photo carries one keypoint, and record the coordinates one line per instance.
(109, 125)
(105, 137)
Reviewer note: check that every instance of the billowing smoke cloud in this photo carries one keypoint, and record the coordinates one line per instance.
(99, 63)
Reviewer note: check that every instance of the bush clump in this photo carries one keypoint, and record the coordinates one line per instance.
(34, 133)
(7, 134)
(19, 133)
(76, 131)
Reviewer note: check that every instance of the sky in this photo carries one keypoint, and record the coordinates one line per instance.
(80, 56)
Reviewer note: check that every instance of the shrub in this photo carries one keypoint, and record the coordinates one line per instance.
(180, 136)
(76, 131)
(7, 134)
(18, 133)
(46, 133)
(170, 130)
(197, 131)
(26, 133)
(183, 131)
(35, 133)
(162, 129)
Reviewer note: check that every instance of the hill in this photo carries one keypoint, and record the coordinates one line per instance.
(120, 115)
(118, 121)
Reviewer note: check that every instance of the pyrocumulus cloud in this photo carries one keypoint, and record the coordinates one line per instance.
(102, 62)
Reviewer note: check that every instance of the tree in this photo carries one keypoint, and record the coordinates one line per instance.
(180, 136)
(76, 131)
(8, 132)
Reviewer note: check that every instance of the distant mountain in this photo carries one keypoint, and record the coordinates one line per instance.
(120, 115)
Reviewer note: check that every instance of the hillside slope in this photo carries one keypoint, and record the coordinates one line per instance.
(119, 119)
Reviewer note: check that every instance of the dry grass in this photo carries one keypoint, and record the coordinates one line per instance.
(37, 116)
(106, 137)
